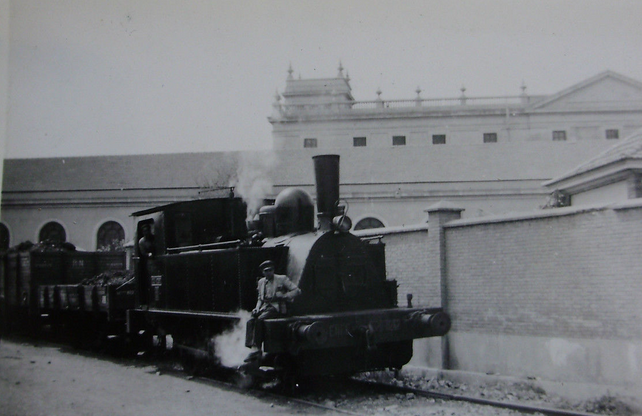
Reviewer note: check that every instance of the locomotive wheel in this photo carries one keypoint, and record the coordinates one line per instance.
(244, 379)
(246, 374)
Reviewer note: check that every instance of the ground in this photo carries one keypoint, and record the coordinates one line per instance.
(46, 380)
(50, 380)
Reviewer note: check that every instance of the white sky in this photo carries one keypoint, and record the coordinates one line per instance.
(155, 76)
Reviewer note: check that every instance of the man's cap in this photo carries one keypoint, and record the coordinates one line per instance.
(266, 263)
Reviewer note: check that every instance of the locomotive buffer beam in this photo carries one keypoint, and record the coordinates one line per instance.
(353, 329)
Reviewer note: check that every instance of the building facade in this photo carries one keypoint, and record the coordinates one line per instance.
(88, 200)
(322, 113)
(490, 155)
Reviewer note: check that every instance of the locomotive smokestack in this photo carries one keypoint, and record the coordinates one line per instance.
(326, 173)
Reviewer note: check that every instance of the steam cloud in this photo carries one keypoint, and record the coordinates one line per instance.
(253, 181)
(230, 346)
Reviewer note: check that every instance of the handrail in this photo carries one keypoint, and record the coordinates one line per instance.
(201, 247)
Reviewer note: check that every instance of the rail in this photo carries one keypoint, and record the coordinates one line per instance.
(516, 406)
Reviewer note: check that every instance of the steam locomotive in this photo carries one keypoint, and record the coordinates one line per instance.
(205, 272)
(196, 266)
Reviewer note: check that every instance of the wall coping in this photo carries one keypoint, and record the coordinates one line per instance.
(545, 213)
(391, 230)
(490, 219)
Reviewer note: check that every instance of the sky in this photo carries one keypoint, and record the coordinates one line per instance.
(103, 77)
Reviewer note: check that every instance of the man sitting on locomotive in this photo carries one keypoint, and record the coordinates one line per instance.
(274, 290)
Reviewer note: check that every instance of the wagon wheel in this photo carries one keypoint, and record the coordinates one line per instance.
(191, 364)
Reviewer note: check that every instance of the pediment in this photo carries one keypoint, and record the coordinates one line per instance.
(607, 90)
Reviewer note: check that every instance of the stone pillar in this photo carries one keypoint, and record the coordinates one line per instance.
(523, 96)
(418, 98)
(379, 100)
(463, 98)
(438, 215)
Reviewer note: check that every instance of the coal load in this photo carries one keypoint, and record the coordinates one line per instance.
(50, 246)
(109, 278)
(46, 246)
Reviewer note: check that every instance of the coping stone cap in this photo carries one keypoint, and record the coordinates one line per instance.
(444, 206)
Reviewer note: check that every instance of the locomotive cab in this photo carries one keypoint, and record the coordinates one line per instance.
(177, 228)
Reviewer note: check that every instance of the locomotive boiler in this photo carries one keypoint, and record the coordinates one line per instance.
(200, 279)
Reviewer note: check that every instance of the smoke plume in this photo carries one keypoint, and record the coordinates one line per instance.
(253, 179)
(230, 346)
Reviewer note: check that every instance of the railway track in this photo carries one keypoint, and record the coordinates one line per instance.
(322, 395)
(519, 407)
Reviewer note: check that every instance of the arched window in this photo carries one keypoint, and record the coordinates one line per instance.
(5, 237)
(110, 235)
(52, 231)
(367, 223)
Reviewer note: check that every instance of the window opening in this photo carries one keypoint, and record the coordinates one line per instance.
(111, 235)
(398, 140)
(52, 231)
(368, 223)
(5, 237)
(358, 141)
(490, 137)
(310, 143)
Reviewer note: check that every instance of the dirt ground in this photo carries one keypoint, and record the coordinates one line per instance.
(39, 381)
(47, 380)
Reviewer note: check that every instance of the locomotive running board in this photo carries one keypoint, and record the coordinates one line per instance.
(137, 318)
(194, 314)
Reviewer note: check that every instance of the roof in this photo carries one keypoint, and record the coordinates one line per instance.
(401, 164)
(628, 149)
(178, 170)
(605, 89)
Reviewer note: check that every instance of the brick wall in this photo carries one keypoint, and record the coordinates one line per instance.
(553, 294)
(407, 262)
(565, 273)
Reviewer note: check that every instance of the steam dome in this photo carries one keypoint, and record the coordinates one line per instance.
(294, 210)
